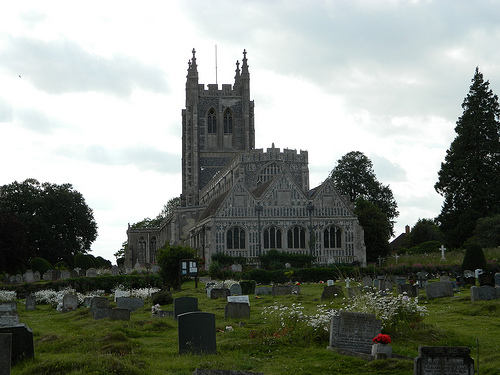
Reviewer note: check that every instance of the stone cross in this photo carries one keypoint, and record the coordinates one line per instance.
(397, 257)
(442, 248)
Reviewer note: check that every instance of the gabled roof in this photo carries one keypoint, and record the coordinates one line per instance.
(214, 205)
(261, 189)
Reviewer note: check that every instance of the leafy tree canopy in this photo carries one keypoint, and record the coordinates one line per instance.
(487, 232)
(59, 223)
(425, 230)
(167, 210)
(470, 175)
(354, 176)
(15, 251)
(376, 227)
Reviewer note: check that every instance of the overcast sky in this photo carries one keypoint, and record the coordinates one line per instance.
(91, 92)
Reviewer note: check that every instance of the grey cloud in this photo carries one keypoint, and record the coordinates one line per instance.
(37, 121)
(387, 171)
(142, 157)
(63, 66)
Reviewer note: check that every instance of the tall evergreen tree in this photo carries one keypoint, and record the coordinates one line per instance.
(469, 178)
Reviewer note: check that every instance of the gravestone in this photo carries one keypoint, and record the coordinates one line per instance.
(19, 279)
(120, 314)
(99, 307)
(74, 274)
(478, 272)
(366, 282)
(91, 272)
(439, 290)
(70, 302)
(486, 279)
(330, 282)
(47, 276)
(443, 360)
(422, 279)
(353, 291)
(354, 331)
(30, 302)
(236, 310)
(5, 353)
(385, 285)
(281, 290)
(36, 276)
(444, 278)
(102, 312)
(263, 291)
(130, 303)
(400, 280)
(9, 318)
(497, 279)
(484, 293)
(216, 293)
(408, 289)
(65, 274)
(121, 293)
(184, 305)
(29, 276)
(164, 314)
(22, 342)
(239, 299)
(87, 301)
(115, 271)
(235, 290)
(8, 306)
(332, 291)
(296, 289)
(196, 332)
(236, 267)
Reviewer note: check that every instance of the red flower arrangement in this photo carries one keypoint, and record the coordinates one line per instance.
(382, 339)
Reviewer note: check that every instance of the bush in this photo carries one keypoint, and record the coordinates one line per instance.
(248, 286)
(61, 265)
(163, 297)
(41, 265)
(474, 257)
(168, 258)
(84, 261)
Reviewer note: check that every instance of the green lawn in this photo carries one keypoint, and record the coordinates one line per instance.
(75, 343)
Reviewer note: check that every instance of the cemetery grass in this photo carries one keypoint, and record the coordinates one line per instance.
(75, 343)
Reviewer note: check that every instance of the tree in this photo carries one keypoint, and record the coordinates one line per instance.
(470, 175)
(354, 176)
(14, 249)
(168, 258)
(487, 232)
(59, 223)
(425, 230)
(167, 210)
(474, 257)
(376, 228)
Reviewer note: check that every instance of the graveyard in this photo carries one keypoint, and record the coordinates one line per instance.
(277, 329)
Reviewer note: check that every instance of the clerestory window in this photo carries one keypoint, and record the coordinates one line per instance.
(228, 122)
(235, 238)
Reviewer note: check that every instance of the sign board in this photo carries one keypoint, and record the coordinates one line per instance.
(188, 267)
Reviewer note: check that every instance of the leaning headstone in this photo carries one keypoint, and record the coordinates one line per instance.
(184, 305)
(235, 290)
(443, 360)
(29, 277)
(216, 293)
(354, 331)
(70, 303)
(263, 291)
(235, 310)
(5, 353)
(22, 342)
(281, 290)
(408, 289)
(332, 291)
(130, 303)
(91, 272)
(485, 293)
(196, 332)
(439, 290)
(30, 302)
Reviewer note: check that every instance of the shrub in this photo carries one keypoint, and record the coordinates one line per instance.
(61, 265)
(474, 257)
(248, 286)
(84, 261)
(41, 265)
(163, 297)
(168, 258)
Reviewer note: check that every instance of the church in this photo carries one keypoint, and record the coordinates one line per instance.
(243, 201)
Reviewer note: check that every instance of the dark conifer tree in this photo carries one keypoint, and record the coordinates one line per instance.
(469, 178)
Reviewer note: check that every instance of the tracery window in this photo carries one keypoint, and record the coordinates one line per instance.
(141, 250)
(228, 122)
(272, 238)
(332, 238)
(152, 250)
(269, 172)
(212, 122)
(235, 238)
(296, 238)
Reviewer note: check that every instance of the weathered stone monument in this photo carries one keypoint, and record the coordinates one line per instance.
(70, 303)
(236, 310)
(281, 290)
(196, 332)
(443, 360)
(235, 290)
(354, 331)
(439, 290)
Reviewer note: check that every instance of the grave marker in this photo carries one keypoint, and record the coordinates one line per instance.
(332, 291)
(130, 303)
(354, 331)
(281, 290)
(30, 302)
(235, 290)
(439, 290)
(443, 360)
(184, 305)
(70, 302)
(196, 331)
(236, 310)
(484, 293)
(5, 353)
(22, 342)
(216, 293)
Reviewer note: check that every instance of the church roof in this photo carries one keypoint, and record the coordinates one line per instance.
(261, 189)
(214, 205)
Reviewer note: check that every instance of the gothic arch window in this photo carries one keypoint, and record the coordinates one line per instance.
(332, 238)
(268, 172)
(272, 238)
(212, 121)
(296, 238)
(228, 122)
(152, 250)
(141, 250)
(235, 238)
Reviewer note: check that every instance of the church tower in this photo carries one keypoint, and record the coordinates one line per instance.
(216, 125)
